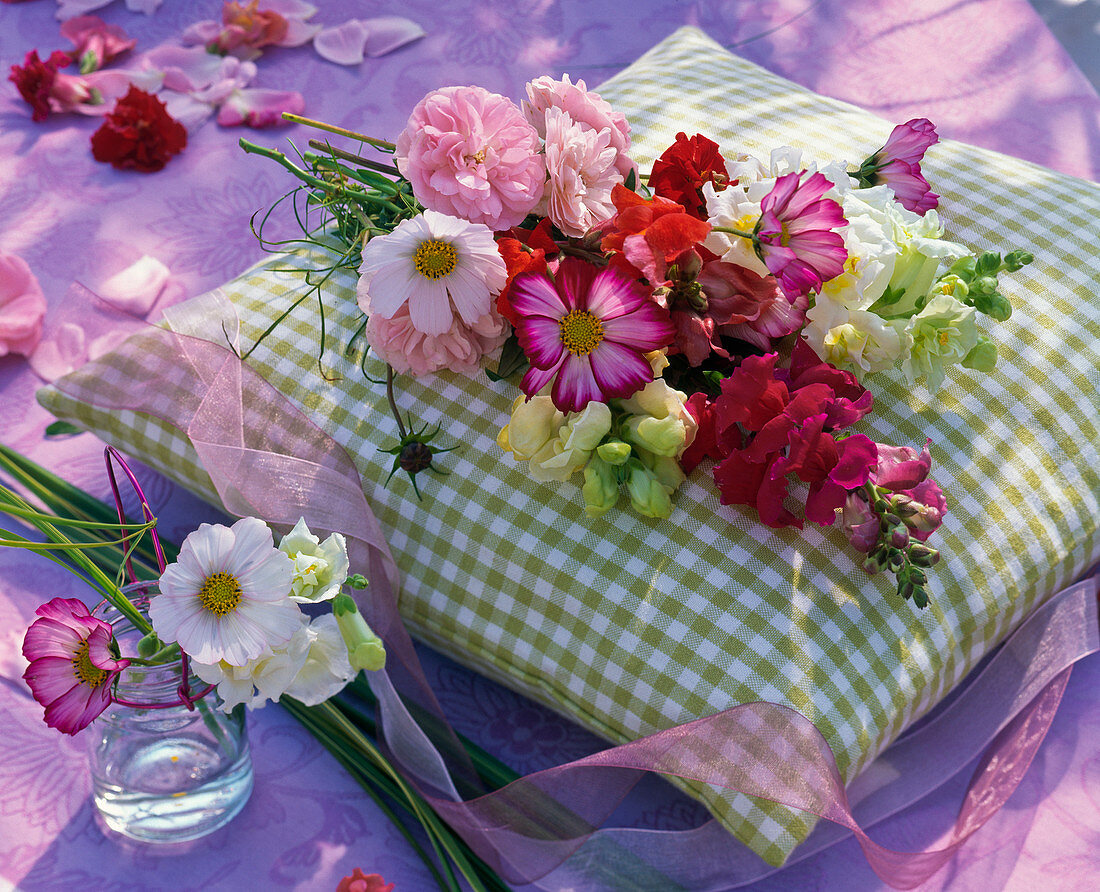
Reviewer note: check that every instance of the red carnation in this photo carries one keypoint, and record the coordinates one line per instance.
(35, 80)
(139, 134)
(679, 174)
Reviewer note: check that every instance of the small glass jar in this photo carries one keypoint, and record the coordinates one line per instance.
(161, 771)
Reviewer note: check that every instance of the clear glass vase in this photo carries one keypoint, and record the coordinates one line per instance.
(163, 772)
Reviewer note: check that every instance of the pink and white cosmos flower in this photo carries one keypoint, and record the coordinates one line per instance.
(71, 665)
(587, 330)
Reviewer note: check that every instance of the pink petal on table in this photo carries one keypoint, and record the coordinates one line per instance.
(114, 83)
(66, 9)
(201, 33)
(64, 351)
(389, 32)
(298, 33)
(191, 68)
(343, 44)
(259, 108)
(186, 109)
(135, 289)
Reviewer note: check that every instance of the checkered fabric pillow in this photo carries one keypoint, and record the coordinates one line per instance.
(630, 625)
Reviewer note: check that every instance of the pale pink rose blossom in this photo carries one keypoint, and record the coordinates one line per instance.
(410, 351)
(581, 165)
(584, 107)
(22, 306)
(470, 153)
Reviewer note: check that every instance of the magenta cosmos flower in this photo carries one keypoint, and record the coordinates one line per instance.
(587, 330)
(71, 665)
(897, 164)
(795, 235)
(470, 153)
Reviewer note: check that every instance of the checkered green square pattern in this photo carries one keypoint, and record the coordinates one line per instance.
(629, 625)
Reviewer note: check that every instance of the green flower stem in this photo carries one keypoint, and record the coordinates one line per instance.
(732, 231)
(340, 131)
(367, 776)
(316, 182)
(212, 725)
(368, 178)
(355, 159)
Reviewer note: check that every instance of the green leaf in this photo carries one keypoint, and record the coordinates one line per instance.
(512, 360)
(63, 429)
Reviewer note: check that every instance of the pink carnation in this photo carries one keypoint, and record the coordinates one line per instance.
(585, 107)
(581, 165)
(22, 306)
(406, 348)
(469, 153)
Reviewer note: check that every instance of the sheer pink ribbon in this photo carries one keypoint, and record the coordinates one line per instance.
(254, 444)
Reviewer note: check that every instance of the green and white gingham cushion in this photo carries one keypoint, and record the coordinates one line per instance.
(629, 625)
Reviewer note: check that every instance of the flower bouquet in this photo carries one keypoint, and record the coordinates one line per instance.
(716, 368)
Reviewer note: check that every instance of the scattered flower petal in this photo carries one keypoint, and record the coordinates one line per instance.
(22, 306)
(259, 108)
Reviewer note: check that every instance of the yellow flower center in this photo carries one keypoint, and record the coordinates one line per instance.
(581, 332)
(85, 670)
(435, 259)
(220, 593)
(944, 338)
(478, 157)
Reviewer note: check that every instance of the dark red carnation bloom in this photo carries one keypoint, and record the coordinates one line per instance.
(679, 174)
(35, 79)
(139, 134)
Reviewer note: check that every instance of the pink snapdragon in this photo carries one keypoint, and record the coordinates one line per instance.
(96, 43)
(796, 235)
(587, 330)
(897, 164)
(71, 666)
(22, 306)
(471, 154)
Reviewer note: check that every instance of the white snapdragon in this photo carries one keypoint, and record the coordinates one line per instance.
(320, 568)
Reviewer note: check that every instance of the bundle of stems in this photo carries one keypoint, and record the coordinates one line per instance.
(345, 725)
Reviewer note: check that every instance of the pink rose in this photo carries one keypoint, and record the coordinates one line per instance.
(469, 153)
(586, 108)
(22, 306)
(409, 350)
(581, 165)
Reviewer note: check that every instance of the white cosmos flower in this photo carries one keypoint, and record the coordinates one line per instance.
(320, 568)
(226, 597)
(436, 264)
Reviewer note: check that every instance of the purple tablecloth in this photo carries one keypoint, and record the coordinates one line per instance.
(986, 71)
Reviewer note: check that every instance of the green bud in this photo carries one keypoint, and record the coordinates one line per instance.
(896, 560)
(899, 536)
(149, 645)
(988, 264)
(902, 506)
(920, 596)
(601, 486)
(647, 496)
(1015, 260)
(923, 555)
(365, 649)
(918, 576)
(905, 587)
(994, 305)
(614, 452)
(984, 285)
(357, 580)
(982, 356)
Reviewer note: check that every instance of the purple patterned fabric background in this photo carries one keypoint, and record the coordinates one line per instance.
(986, 71)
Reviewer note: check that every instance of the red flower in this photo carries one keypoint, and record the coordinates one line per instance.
(35, 80)
(770, 422)
(646, 235)
(139, 134)
(364, 882)
(679, 174)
